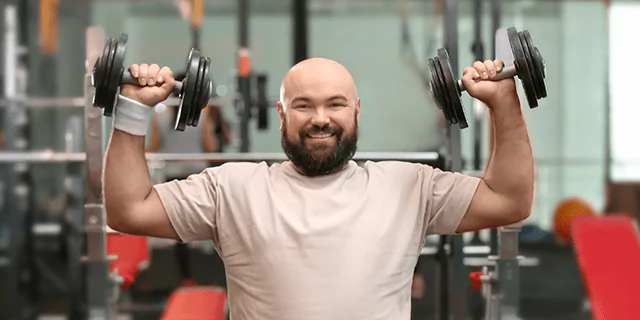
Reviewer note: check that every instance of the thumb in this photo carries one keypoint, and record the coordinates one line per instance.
(469, 78)
(168, 85)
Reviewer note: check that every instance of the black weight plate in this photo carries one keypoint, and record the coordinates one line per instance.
(522, 67)
(188, 84)
(205, 91)
(452, 88)
(101, 75)
(108, 84)
(538, 70)
(116, 70)
(195, 106)
(263, 104)
(436, 86)
(528, 55)
(530, 90)
(442, 87)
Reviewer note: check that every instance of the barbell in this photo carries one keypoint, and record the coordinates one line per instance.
(108, 74)
(528, 66)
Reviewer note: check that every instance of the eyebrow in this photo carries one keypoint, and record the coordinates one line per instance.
(307, 99)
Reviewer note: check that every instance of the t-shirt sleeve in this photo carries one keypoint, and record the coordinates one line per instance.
(448, 196)
(191, 205)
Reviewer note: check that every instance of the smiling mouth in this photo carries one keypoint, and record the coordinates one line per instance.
(320, 135)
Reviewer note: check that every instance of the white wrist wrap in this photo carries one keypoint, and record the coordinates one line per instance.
(131, 116)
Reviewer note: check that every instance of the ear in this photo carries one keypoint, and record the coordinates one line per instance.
(358, 109)
(281, 114)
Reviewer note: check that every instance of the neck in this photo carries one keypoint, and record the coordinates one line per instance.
(336, 170)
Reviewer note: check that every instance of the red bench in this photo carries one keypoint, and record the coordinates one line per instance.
(131, 256)
(196, 303)
(608, 253)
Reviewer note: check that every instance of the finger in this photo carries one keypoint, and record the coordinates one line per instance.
(134, 69)
(481, 69)
(474, 73)
(499, 65)
(144, 74)
(165, 73)
(153, 74)
(491, 68)
(469, 77)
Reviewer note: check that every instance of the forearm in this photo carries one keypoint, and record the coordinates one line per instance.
(510, 170)
(126, 180)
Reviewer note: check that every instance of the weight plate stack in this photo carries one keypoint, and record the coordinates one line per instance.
(529, 65)
(445, 90)
(107, 73)
(188, 90)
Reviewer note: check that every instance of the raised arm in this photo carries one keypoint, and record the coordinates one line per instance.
(505, 194)
(131, 203)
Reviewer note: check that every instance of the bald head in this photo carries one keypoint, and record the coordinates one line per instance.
(317, 78)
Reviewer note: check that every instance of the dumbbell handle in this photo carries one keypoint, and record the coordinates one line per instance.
(507, 72)
(127, 78)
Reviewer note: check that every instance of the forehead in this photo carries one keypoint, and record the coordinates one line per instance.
(318, 85)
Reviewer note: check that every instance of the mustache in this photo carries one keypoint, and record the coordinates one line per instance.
(328, 128)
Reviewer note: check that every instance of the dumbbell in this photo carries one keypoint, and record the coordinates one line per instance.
(528, 66)
(194, 91)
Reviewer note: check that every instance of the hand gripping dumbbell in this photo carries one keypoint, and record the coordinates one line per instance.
(194, 91)
(528, 65)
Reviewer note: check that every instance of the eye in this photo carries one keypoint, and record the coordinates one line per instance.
(302, 106)
(337, 104)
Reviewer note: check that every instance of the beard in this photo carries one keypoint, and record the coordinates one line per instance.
(319, 159)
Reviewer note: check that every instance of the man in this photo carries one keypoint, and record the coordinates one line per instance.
(318, 237)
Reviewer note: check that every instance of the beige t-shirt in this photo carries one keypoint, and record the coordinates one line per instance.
(339, 247)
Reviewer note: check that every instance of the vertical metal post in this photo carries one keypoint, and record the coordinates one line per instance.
(508, 272)
(453, 274)
(12, 235)
(300, 17)
(74, 220)
(97, 264)
(243, 102)
(478, 107)
(496, 10)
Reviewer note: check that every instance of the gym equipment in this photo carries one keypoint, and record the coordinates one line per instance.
(196, 303)
(528, 65)
(608, 256)
(131, 257)
(194, 91)
(566, 211)
(262, 104)
(501, 286)
(65, 157)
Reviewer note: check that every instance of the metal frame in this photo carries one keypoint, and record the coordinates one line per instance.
(300, 17)
(451, 300)
(243, 102)
(14, 177)
(98, 282)
(70, 157)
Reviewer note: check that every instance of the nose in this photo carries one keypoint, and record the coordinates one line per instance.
(320, 118)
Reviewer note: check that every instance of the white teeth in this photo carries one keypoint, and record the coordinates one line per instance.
(320, 136)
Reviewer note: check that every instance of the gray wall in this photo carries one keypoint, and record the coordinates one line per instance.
(567, 130)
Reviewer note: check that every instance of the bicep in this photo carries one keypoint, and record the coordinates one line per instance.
(488, 209)
(150, 219)
(183, 210)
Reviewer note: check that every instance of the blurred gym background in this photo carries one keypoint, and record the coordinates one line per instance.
(583, 134)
